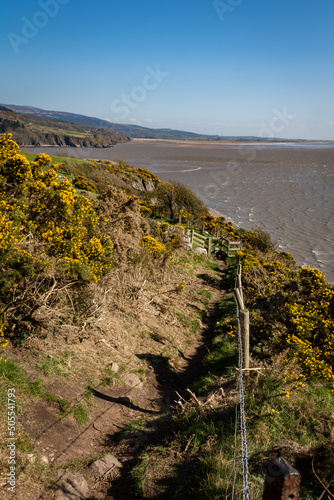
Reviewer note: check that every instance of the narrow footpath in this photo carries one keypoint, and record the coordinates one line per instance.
(124, 422)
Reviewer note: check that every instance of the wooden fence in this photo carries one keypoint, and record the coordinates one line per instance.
(211, 244)
(230, 247)
(282, 481)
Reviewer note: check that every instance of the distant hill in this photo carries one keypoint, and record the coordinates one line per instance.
(134, 131)
(130, 130)
(31, 130)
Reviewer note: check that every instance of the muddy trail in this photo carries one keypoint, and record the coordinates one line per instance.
(124, 420)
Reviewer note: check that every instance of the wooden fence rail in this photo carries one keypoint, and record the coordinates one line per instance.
(230, 247)
(212, 244)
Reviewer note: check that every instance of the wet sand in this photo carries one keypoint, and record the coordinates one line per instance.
(286, 190)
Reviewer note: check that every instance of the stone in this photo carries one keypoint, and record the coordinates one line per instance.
(72, 487)
(200, 251)
(114, 367)
(31, 457)
(132, 380)
(106, 463)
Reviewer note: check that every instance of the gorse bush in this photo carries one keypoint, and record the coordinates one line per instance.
(154, 247)
(218, 225)
(35, 202)
(44, 224)
(53, 237)
(174, 199)
(258, 239)
(291, 309)
(80, 182)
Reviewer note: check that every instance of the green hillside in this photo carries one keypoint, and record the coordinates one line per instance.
(29, 130)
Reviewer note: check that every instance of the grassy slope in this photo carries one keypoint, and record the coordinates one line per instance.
(282, 419)
(197, 456)
(58, 376)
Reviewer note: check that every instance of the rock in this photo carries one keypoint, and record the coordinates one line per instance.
(45, 460)
(132, 380)
(114, 367)
(72, 487)
(188, 247)
(31, 457)
(200, 251)
(106, 463)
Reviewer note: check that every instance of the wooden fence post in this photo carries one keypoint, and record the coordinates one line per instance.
(244, 325)
(180, 220)
(192, 237)
(239, 284)
(238, 294)
(243, 318)
(209, 246)
(282, 481)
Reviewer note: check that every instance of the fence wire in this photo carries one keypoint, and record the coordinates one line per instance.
(244, 449)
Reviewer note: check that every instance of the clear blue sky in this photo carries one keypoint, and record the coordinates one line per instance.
(226, 67)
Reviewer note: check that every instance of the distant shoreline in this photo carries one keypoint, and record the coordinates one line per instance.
(229, 142)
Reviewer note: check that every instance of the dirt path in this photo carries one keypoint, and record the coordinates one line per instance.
(114, 408)
(167, 384)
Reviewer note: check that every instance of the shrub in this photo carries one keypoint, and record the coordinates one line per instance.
(80, 182)
(154, 247)
(44, 224)
(258, 239)
(175, 196)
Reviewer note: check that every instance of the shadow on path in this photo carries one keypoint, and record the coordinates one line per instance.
(124, 401)
(169, 382)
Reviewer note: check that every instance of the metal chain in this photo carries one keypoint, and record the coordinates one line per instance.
(244, 450)
(235, 451)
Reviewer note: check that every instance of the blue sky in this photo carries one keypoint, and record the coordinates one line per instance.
(227, 67)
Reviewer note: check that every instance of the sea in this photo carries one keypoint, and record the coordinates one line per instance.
(285, 189)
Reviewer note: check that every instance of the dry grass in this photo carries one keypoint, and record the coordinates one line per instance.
(131, 314)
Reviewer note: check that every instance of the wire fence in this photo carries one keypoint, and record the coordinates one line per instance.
(243, 429)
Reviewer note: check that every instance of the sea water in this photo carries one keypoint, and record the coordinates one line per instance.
(287, 190)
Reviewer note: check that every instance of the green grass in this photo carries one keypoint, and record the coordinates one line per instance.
(281, 419)
(13, 376)
(193, 325)
(78, 410)
(29, 156)
(52, 366)
(59, 159)
(137, 425)
(112, 377)
(205, 293)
